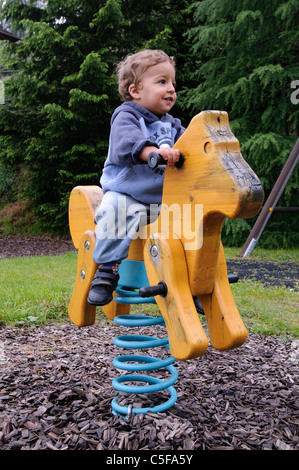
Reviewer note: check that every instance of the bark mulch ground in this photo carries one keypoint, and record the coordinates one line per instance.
(14, 246)
(56, 393)
(56, 387)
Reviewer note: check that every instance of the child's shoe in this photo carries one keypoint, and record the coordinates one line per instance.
(104, 283)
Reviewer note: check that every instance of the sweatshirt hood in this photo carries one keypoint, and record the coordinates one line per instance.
(138, 111)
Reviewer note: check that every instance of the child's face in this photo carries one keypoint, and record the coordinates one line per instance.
(156, 91)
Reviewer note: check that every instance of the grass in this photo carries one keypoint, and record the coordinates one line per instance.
(36, 290)
(16, 218)
(279, 255)
(267, 310)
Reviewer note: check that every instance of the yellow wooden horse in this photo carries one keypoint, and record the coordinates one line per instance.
(183, 247)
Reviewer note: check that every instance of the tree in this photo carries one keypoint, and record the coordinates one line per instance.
(246, 60)
(55, 122)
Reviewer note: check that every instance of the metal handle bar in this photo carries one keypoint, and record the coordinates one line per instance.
(155, 159)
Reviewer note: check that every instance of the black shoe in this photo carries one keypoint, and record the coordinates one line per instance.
(102, 286)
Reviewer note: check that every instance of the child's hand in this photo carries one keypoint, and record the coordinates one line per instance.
(170, 155)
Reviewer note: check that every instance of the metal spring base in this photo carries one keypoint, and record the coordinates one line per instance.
(137, 363)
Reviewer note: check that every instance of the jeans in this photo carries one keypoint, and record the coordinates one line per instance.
(118, 219)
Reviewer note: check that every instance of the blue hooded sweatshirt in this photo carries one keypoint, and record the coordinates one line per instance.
(133, 128)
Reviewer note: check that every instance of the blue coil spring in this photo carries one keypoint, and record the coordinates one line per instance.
(138, 363)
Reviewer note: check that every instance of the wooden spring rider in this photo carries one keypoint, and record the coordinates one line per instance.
(183, 248)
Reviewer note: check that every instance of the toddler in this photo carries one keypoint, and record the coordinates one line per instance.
(140, 125)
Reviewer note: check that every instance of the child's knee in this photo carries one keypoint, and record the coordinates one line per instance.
(111, 205)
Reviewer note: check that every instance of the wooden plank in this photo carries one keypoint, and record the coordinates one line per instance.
(165, 261)
(83, 202)
(215, 175)
(80, 312)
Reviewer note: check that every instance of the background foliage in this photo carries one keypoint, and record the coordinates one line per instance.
(238, 56)
(247, 55)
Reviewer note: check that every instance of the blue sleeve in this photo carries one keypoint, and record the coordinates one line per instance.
(126, 140)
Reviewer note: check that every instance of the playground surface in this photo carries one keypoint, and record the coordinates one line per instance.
(55, 384)
(56, 392)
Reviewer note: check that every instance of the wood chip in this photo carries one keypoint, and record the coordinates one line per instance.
(56, 392)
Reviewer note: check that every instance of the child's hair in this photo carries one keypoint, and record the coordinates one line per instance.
(130, 70)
